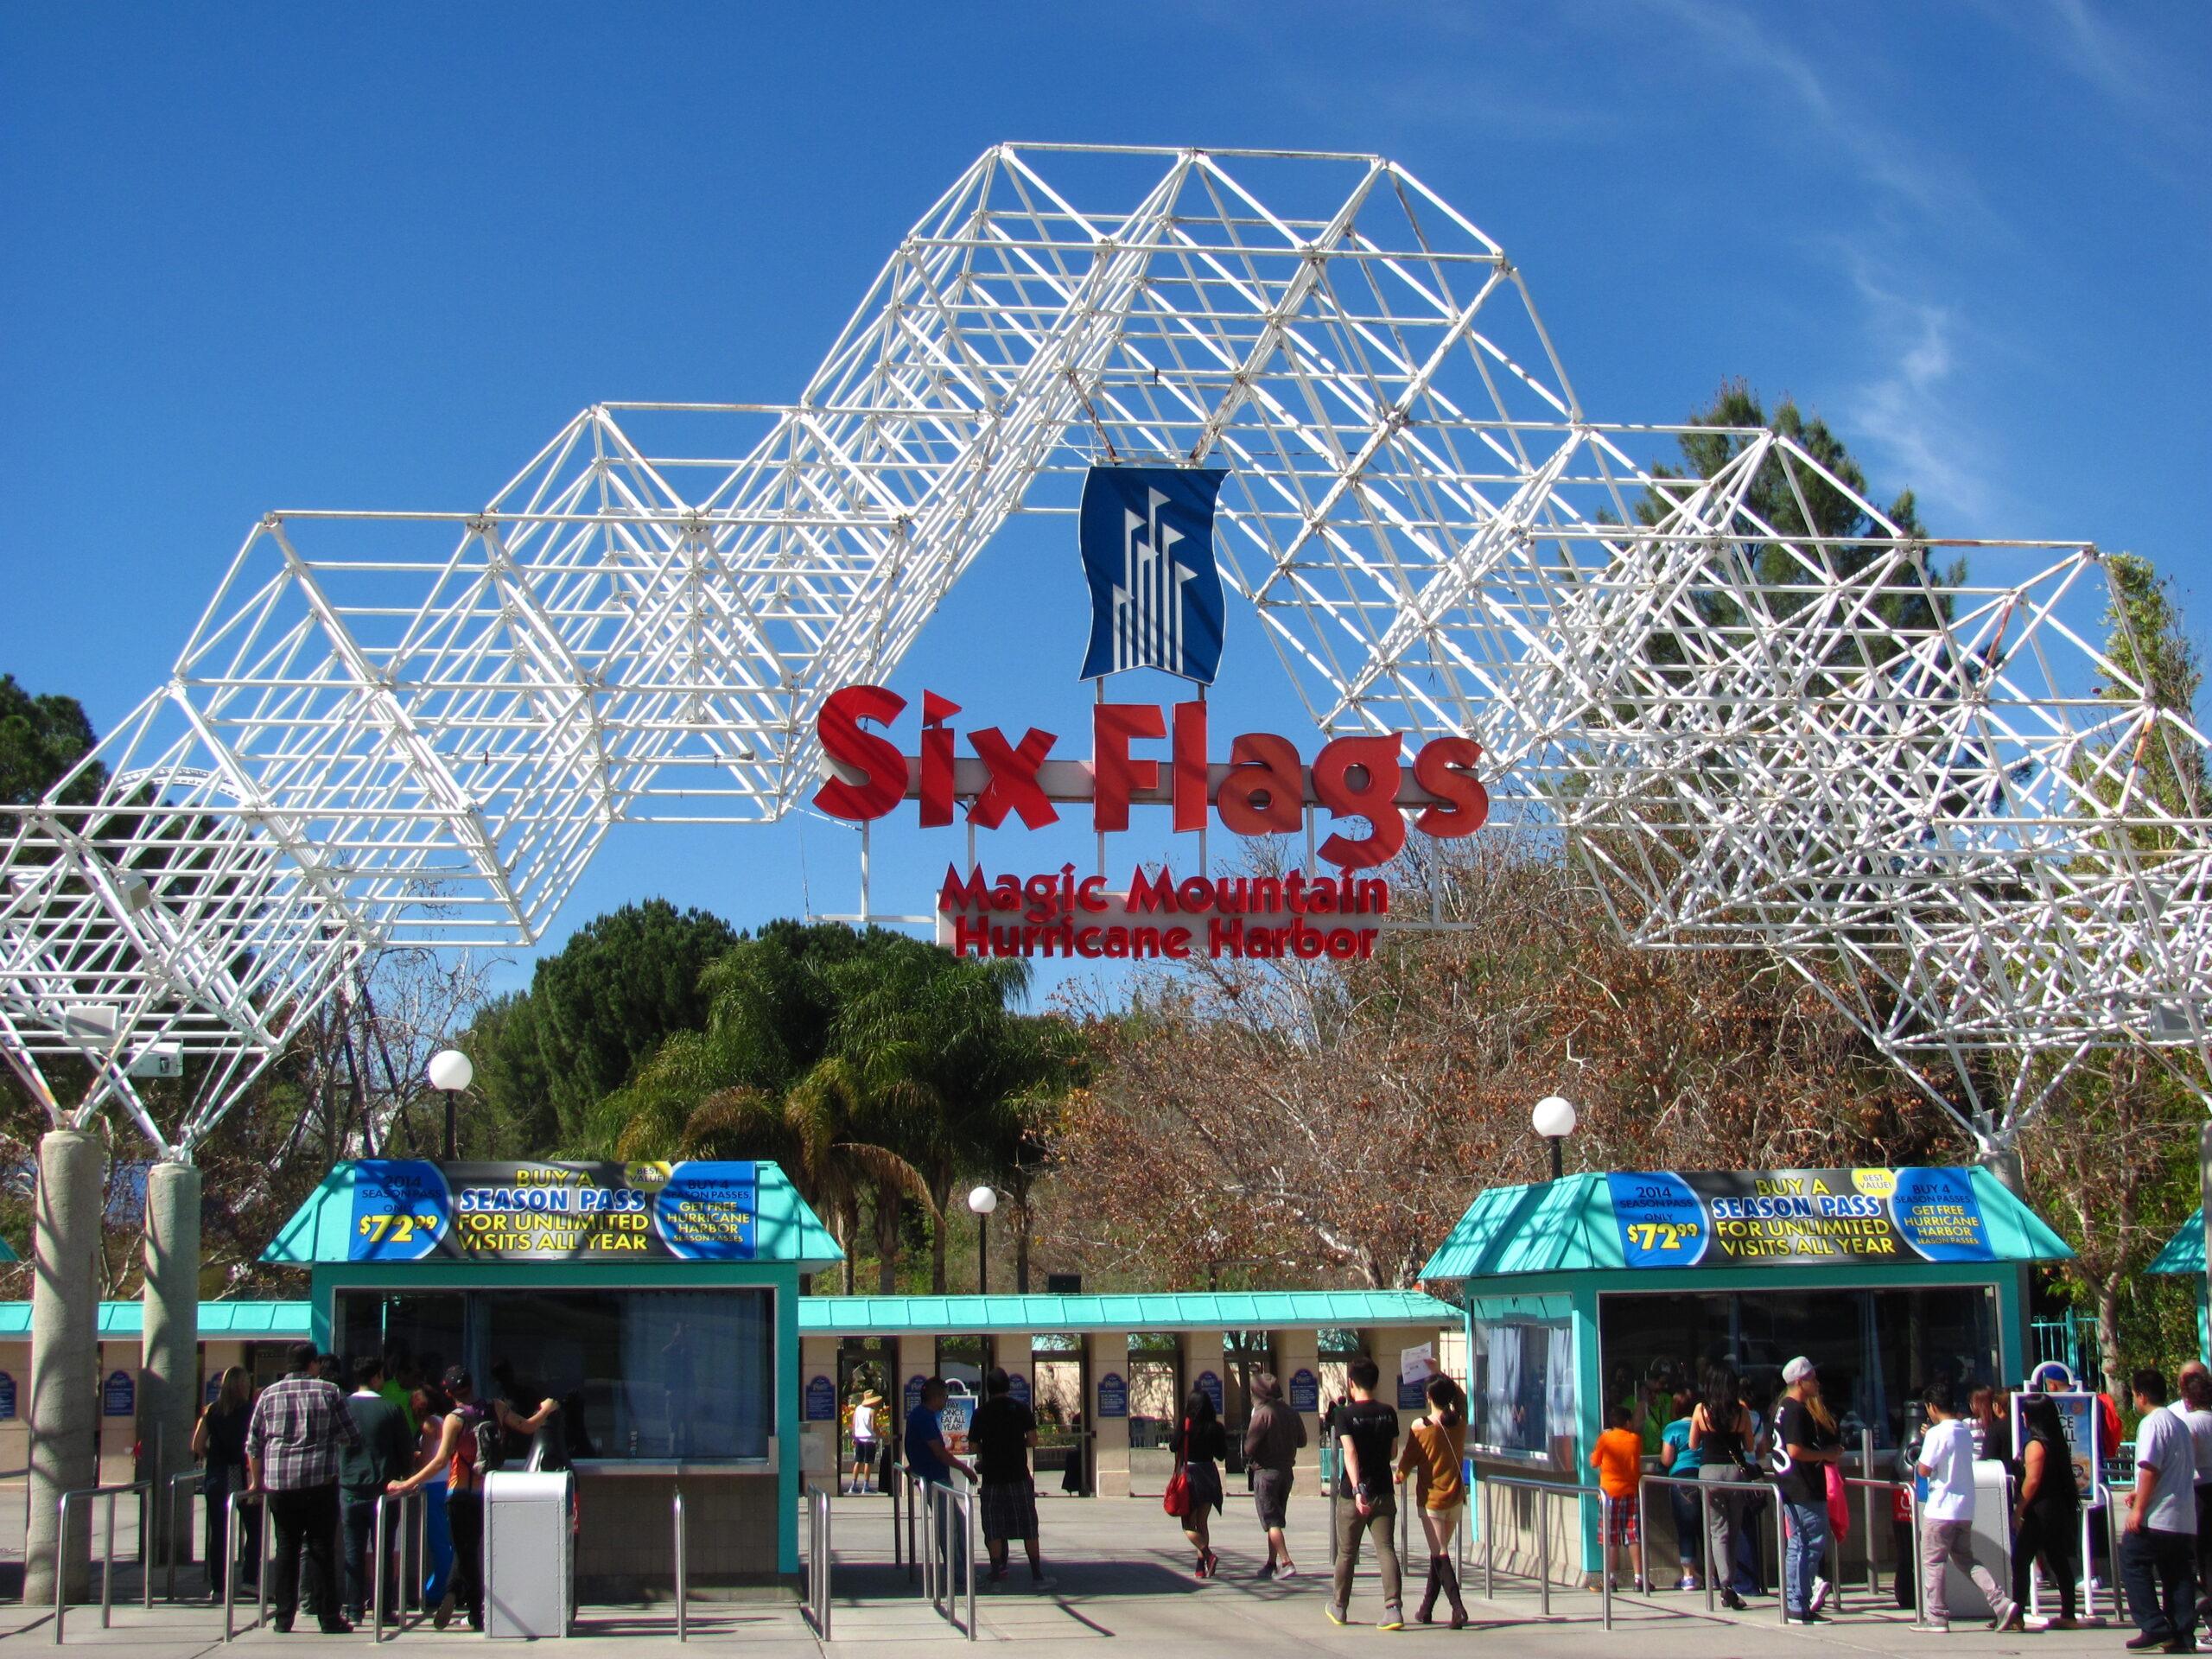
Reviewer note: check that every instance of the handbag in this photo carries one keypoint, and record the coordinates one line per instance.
(1176, 1500)
(1839, 1503)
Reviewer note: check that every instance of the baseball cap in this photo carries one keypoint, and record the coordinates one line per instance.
(1797, 1370)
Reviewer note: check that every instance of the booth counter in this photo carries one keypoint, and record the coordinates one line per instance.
(657, 1303)
(1598, 1290)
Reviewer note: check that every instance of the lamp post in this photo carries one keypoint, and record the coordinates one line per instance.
(1553, 1119)
(983, 1201)
(451, 1071)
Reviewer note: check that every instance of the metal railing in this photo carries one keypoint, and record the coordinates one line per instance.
(948, 1552)
(385, 1571)
(821, 1556)
(145, 1491)
(177, 1536)
(1547, 1492)
(683, 1568)
(233, 1503)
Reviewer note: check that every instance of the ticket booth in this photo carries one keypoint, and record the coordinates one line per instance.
(657, 1302)
(1597, 1290)
(2185, 1254)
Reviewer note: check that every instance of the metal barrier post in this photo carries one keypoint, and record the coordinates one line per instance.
(682, 1581)
(1705, 1542)
(265, 1548)
(1873, 1553)
(968, 1527)
(1543, 1553)
(230, 1560)
(1605, 1556)
(1490, 1548)
(175, 1532)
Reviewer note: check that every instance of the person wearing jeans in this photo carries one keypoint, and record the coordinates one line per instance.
(2157, 1551)
(1805, 1431)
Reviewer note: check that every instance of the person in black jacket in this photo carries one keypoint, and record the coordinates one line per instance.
(1199, 1447)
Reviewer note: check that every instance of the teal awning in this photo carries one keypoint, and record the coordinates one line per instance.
(1256, 1310)
(785, 1230)
(2184, 1252)
(1569, 1226)
(219, 1321)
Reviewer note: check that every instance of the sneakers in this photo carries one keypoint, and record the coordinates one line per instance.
(1336, 1615)
(1688, 1581)
(2182, 1644)
(1393, 1619)
(1286, 1571)
(1821, 1588)
(1266, 1571)
(1941, 1629)
(2145, 1639)
(443, 1616)
(1731, 1600)
(1042, 1580)
(2008, 1615)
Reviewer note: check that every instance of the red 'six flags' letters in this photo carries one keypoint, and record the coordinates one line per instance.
(1264, 789)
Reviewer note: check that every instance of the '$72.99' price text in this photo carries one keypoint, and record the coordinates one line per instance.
(397, 1230)
(1661, 1234)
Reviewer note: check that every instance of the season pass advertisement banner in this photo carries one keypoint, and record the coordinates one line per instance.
(410, 1210)
(1728, 1218)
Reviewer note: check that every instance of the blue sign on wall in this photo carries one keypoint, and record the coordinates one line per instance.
(1412, 1396)
(1017, 1387)
(1305, 1391)
(821, 1400)
(1147, 539)
(1113, 1395)
(7, 1395)
(1210, 1385)
(914, 1385)
(120, 1398)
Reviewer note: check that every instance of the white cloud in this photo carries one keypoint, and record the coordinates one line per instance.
(1905, 412)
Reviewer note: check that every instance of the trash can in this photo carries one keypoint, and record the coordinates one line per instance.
(529, 1555)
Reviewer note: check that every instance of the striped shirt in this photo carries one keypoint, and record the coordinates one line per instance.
(297, 1428)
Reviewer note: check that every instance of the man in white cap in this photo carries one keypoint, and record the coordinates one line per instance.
(1805, 1430)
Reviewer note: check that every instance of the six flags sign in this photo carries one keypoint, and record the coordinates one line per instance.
(1146, 537)
(1263, 790)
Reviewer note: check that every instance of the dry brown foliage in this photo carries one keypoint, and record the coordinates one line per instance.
(1316, 1122)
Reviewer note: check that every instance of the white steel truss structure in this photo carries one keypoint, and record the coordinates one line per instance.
(1750, 701)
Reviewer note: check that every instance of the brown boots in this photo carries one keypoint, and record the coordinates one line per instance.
(1441, 1577)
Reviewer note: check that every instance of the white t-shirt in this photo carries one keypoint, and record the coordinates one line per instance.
(2200, 1439)
(863, 1423)
(2163, 1444)
(1948, 1456)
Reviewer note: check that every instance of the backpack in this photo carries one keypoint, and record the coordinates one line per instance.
(487, 1440)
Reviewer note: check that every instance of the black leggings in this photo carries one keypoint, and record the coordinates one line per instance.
(2056, 1535)
(465, 1520)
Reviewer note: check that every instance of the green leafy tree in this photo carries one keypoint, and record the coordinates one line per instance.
(619, 987)
(41, 738)
(513, 1087)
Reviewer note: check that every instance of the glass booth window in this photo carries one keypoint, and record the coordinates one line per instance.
(1876, 1350)
(639, 1373)
(1522, 1393)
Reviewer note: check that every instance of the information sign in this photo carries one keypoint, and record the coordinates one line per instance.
(406, 1210)
(1729, 1219)
(1113, 1395)
(821, 1400)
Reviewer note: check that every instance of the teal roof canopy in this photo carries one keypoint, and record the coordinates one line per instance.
(219, 1321)
(1255, 1310)
(785, 1230)
(1569, 1226)
(2184, 1252)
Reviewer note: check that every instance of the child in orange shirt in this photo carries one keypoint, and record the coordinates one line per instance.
(1619, 1463)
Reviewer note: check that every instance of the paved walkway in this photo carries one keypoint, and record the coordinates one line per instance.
(1122, 1583)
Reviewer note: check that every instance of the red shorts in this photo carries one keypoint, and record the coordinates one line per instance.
(1623, 1525)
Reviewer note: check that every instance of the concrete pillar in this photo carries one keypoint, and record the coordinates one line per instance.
(917, 1359)
(65, 1357)
(168, 1376)
(1296, 1351)
(821, 1412)
(1010, 1353)
(1107, 1352)
(1202, 1353)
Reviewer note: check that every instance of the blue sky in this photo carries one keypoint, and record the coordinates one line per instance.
(262, 255)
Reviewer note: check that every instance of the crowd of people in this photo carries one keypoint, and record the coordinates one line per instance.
(316, 1459)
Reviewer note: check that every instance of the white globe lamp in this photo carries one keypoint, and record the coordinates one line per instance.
(1553, 1119)
(981, 1202)
(451, 1071)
